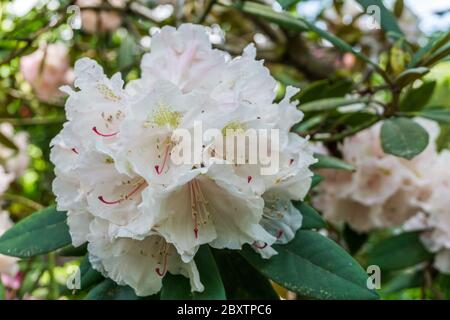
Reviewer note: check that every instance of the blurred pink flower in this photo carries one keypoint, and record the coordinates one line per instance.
(47, 69)
(103, 20)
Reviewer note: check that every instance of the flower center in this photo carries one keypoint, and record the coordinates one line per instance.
(233, 128)
(164, 116)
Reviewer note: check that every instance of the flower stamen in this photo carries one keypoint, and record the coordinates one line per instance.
(199, 211)
(106, 135)
(125, 197)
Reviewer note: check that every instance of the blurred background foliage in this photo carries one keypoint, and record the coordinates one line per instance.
(332, 50)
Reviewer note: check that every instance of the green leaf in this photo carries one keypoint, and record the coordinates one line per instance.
(178, 287)
(353, 239)
(387, 19)
(402, 281)
(313, 266)
(330, 104)
(294, 23)
(89, 276)
(323, 89)
(286, 4)
(316, 179)
(435, 43)
(311, 218)
(280, 18)
(109, 290)
(127, 52)
(42, 232)
(411, 75)
(399, 252)
(439, 115)
(71, 251)
(403, 137)
(7, 142)
(2, 291)
(241, 280)
(330, 162)
(416, 98)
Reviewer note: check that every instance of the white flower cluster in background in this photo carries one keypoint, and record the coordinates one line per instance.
(13, 164)
(434, 218)
(386, 191)
(143, 215)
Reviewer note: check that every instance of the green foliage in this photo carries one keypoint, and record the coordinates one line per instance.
(399, 252)
(42, 232)
(403, 137)
(320, 270)
(178, 287)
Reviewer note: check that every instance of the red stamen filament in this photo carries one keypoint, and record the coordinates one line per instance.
(74, 150)
(291, 161)
(279, 234)
(166, 157)
(126, 197)
(106, 135)
(249, 178)
(158, 270)
(259, 246)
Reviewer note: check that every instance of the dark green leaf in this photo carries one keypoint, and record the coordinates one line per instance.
(316, 179)
(330, 162)
(109, 290)
(411, 75)
(89, 276)
(399, 252)
(7, 142)
(435, 43)
(314, 266)
(354, 239)
(416, 98)
(311, 218)
(286, 4)
(40, 233)
(241, 280)
(439, 115)
(330, 104)
(71, 251)
(404, 280)
(387, 20)
(403, 137)
(178, 287)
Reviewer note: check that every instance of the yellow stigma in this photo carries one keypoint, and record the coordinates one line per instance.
(233, 128)
(163, 116)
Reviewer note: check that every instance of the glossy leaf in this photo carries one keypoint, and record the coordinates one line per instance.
(403, 137)
(416, 98)
(330, 162)
(178, 287)
(40, 233)
(399, 252)
(314, 266)
(311, 218)
(387, 19)
(242, 280)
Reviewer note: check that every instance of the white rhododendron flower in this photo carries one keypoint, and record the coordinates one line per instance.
(384, 191)
(142, 211)
(434, 218)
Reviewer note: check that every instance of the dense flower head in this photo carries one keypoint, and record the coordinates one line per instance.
(141, 212)
(384, 191)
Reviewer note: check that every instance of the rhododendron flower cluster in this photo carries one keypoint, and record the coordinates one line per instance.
(144, 215)
(384, 191)
(434, 218)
